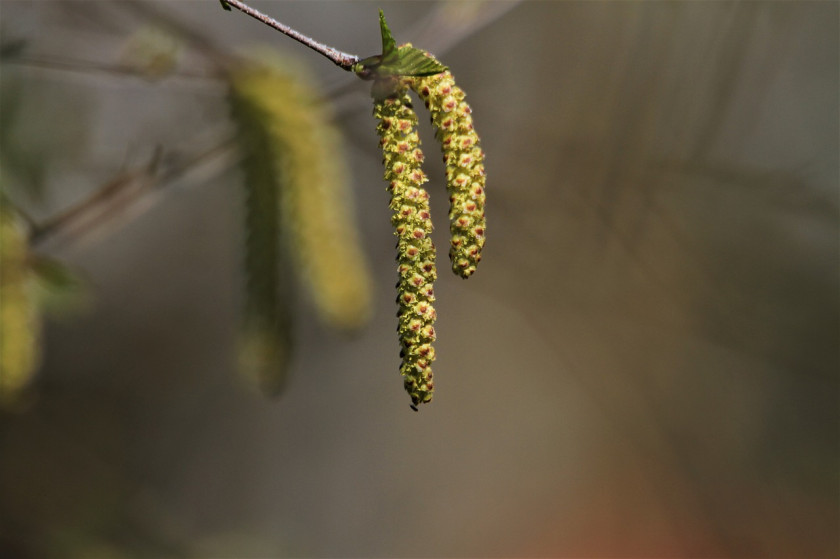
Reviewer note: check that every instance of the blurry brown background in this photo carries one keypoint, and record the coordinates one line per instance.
(645, 364)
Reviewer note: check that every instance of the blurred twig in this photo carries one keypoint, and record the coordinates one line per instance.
(124, 197)
(88, 67)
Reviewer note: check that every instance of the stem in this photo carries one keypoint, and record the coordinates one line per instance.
(342, 59)
(86, 67)
(121, 197)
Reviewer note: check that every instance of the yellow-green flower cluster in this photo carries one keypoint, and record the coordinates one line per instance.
(306, 155)
(297, 198)
(20, 323)
(464, 159)
(412, 223)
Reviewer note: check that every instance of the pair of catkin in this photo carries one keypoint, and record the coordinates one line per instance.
(465, 177)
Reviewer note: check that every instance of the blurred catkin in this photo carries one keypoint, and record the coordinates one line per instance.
(20, 324)
(265, 338)
(465, 177)
(297, 188)
(412, 223)
(151, 52)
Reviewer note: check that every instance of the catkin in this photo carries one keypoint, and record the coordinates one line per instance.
(297, 201)
(265, 340)
(20, 324)
(452, 119)
(397, 129)
(316, 207)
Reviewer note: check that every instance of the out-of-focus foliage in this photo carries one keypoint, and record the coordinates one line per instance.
(30, 284)
(296, 187)
(151, 52)
(59, 290)
(266, 330)
(32, 147)
(20, 324)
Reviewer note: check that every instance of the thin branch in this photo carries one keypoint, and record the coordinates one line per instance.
(111, 70)
(342, 59)
(125, 196)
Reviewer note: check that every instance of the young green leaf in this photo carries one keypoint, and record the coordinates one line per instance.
(397, 61)
(389, 45)
(415, 62)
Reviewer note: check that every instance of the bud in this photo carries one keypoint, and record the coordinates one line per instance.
(152, 53)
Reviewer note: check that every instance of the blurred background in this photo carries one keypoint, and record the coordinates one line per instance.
(644, 365)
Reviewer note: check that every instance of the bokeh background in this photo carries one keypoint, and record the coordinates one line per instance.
(645, 365)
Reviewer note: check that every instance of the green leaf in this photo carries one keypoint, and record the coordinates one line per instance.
(58, 289)
(415, 62)
(397, 61)
(408, 61)
(225, 5)
(389, 45)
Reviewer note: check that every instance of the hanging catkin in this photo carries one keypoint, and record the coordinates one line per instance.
(415, 252)
(452, 119)
(20, 323)
(296, 188)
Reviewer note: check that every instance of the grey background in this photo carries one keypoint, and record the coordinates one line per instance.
(645, 364)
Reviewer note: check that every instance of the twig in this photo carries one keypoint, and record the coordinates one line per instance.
(84, 215)
(342, 59)
(88, 67)
(125, 196)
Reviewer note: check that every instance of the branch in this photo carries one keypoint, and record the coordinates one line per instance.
(92, 67)
(342, 59)
(125, 196)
